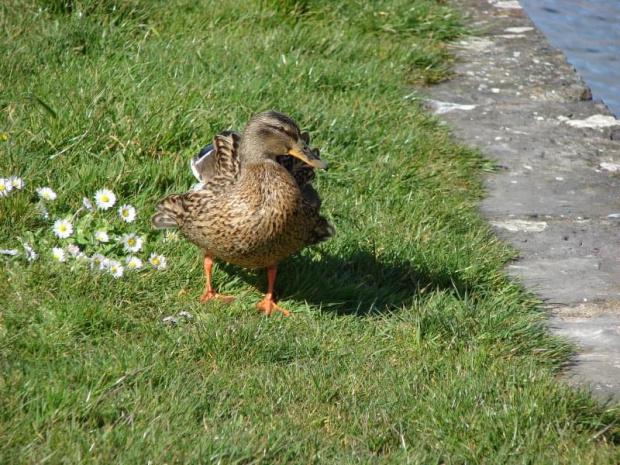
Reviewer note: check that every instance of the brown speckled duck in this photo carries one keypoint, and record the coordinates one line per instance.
(254, 205)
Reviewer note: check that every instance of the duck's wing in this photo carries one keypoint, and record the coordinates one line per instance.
(217, 162)
(216, 166)
(202, 162)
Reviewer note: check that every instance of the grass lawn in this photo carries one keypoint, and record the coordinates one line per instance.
(407, 342)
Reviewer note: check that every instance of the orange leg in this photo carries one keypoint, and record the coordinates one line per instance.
(209, 294)
(267, 305)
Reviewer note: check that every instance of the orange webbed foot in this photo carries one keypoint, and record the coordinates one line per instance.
(268, 306)
(210, 295)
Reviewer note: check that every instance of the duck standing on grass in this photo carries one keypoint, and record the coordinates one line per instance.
(255, 205)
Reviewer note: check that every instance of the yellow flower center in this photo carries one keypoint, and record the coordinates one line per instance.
(63, 228)
(132, 265)
(2, 187)
(131, 242)
(156, 261)
(125, 212)
(105, 198)
(96, 261)
(46, 195)
(113, 269)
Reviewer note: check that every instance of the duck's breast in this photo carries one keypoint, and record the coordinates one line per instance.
(259, 218)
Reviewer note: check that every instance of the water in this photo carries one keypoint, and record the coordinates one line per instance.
(588, 32)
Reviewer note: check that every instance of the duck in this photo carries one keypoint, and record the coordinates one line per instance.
(254, 204)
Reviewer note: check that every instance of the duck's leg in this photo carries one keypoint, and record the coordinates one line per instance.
(267, 305)
(209, 294)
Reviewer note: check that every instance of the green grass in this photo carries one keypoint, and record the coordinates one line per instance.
(407, 343)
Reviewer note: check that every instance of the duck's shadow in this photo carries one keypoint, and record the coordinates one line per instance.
(359, 284)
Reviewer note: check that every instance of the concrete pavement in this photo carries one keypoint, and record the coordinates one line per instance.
(556, 197)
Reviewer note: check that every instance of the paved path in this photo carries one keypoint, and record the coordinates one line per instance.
(557, 195)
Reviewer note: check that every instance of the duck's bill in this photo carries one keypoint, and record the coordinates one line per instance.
(310, 157)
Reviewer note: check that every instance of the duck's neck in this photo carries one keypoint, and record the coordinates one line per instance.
(249, 154)
(245, 153)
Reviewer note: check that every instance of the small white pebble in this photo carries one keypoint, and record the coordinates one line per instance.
(519, 30)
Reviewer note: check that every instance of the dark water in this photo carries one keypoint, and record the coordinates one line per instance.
(588, 32)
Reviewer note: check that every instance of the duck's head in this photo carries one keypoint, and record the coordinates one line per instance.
(270, 134)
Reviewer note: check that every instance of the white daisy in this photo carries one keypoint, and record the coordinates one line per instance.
(105, 199)
(127, 213)
(74, 250)
(16, 182)
(88, 205)
(46, 193)
(133, 263)
(171, 236)
(58, 254)
(158, 261)
(11, 252)
(30, 253)
(102, 236)
(5, 187)
(44, 213)
(132, 242)
(98, 262)
(115, 268)
(63, 228)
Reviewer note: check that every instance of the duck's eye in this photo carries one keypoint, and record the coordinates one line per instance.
(284, 130)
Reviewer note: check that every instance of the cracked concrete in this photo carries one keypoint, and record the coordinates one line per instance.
(556, 195)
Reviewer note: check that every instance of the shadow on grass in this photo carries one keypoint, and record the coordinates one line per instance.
(360, 284)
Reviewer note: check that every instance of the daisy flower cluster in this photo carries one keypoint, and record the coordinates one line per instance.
(9, 184)
(95, 236)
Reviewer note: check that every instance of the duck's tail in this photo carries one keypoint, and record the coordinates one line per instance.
(170, 214)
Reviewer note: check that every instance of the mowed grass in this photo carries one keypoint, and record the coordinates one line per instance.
(407, 343)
